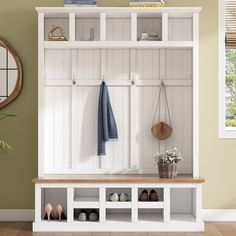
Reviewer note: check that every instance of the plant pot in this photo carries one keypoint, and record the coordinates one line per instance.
(167, 170)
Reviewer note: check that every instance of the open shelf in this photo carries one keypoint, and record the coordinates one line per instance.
(87, 27)
(87, 211)
(150, 24)
(178, 218)
(118, 218)
(62, 22)
(150, 218)
(53, 196)
(86, 198)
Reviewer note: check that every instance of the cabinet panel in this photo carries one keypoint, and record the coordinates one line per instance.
(88, 65)
(117, 64)
(180, 104)
(57, 127)
(58, 64)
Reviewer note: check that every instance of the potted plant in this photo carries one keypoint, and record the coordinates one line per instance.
(4, 146)
(167, 163)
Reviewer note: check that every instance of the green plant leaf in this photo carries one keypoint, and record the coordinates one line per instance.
(4, 116)
(4, 147)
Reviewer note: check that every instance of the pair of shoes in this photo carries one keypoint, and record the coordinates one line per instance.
(58, 214)
(152, 196)
(92, 216)
(115, 197)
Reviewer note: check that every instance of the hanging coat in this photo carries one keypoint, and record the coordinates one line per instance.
(107, 128)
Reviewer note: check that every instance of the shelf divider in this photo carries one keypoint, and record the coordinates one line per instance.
(72, 27)
(102, 209)
(70, 209)
(134, 211)
(103, 30)
(164, 26)
(166, 211)
(134, 26)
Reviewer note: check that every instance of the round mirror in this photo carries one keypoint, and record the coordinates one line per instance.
(11, 73)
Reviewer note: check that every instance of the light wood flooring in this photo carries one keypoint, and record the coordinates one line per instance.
(24, 229)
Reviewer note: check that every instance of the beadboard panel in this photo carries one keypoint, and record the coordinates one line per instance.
(180, 29)
(57, 127)
(88, 65)
(86, 157)
(58, 64)
(61, 22)
(118, 29)
(180, 105)
(178, 64)
(147, 66)
(117, 64)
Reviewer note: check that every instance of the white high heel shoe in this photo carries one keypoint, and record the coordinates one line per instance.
(60, 212)
(48, 211)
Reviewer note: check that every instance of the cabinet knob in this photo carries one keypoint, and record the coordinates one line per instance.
(74, 82)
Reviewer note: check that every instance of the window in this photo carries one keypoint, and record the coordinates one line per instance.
(227, 69)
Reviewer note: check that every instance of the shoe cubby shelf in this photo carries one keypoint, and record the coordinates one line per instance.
(173, 208)
(119, 27)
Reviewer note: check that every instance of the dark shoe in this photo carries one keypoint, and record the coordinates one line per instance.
(143, 196)
(153, 196)
(82, 216)
(93, 216)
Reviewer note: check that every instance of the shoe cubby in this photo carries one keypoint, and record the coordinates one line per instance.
(87, 27)
(150, 215)
(118, 27)
(150, 198)
(182, 206)
(86, 215)
(86, 198)
(61, 21)
(118, 215)
(118, 198)
(149, 24)
(53, 197)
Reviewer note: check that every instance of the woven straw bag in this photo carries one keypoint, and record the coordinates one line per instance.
(162, 130)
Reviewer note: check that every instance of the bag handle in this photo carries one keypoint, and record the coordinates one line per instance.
(158, 101)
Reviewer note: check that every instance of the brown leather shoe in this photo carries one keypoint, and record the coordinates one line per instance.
(143, 196)
(153, 196)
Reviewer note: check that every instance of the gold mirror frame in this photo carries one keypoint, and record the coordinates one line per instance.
(17, 89)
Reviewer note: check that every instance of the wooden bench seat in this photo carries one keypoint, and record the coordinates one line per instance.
(119, 179)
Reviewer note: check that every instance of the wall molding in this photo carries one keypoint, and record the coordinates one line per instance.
(219, 214)
(16, 214)
(28, 214)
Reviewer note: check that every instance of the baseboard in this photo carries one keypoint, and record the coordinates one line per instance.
(219, 214)
(16, 214)
(28, 214)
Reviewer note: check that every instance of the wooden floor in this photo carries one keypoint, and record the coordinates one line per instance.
(24, 229)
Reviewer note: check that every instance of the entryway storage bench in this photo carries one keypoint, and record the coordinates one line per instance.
(103, 45)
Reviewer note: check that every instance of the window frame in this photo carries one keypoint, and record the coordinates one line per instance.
(224, 132)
